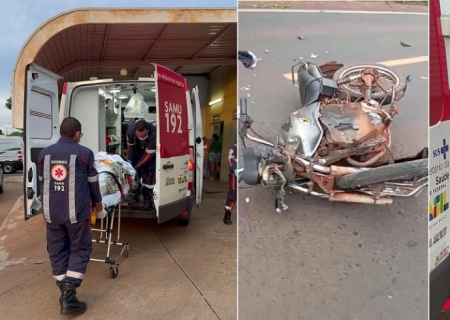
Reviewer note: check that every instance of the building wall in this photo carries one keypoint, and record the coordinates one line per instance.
(223, 84)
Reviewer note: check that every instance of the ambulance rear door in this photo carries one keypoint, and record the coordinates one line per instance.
(199, 153)
(172, 145)
(41, 128)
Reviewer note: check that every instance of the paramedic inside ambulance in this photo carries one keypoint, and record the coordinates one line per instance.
(141, 139)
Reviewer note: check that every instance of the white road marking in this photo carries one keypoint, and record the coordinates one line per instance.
(401, 62)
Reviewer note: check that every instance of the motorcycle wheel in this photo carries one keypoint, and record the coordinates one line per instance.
(388, 77)
(403, 171)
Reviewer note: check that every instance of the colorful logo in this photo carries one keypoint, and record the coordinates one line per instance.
(182, 180)
(438, 206)
(442, 151)
(59, 172)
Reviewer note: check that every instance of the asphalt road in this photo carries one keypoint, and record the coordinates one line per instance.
(323, 260)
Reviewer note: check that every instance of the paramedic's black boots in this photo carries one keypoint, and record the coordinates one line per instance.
(227, 217)
(147, 203)
(69, 302)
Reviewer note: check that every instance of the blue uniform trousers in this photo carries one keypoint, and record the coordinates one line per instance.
(69, 247)
(232, 192)
(147, 173)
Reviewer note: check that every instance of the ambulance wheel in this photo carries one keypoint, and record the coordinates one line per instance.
(114, 271)
(184, 222)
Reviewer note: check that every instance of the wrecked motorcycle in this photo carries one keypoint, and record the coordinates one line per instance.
(336, 146)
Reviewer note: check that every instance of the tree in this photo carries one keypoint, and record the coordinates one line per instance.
(15, 134)
(1, 132)
(8, 103)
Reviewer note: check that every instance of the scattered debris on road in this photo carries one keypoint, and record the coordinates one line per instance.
(405, 44)
(248, 59)
(301, 38)
(314, 55)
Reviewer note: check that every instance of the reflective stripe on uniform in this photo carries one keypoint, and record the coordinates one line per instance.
(46, 189)
(150, 151)
(72, 167)
(40, 178)
(148, 185)
(131, 144)
(228, 208)
(93, 179)
(74, 274)
(60, 277)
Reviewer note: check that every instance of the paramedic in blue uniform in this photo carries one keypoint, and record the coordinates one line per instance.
(69, 188)
(141, 139)
(232, 180)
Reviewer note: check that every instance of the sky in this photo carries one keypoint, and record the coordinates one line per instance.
(20, 18)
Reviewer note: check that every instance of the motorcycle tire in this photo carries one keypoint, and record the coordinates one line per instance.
(404, 171)
(379, 96)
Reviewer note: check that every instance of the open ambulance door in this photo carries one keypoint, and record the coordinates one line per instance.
(199, 151)
(41, 129)
(174, 175)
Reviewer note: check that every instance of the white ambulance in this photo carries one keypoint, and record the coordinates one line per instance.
(179, 156)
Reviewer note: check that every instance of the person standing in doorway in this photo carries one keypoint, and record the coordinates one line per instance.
(214, 156)
(206, 166)
(232, 180)
(69, 186)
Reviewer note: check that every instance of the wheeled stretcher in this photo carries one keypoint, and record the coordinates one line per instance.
(116, 178)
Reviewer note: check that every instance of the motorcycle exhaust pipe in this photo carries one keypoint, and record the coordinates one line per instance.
(344, 197)
(332, 170)
(358, 198)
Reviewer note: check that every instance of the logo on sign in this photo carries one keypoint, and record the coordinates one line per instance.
(440, 182)
(441, 255)
(438, 236)
(438, 206)
(174, 122)
(182, 179)
(59, 172)
(170, 181)
(181, 190)
(442, 151)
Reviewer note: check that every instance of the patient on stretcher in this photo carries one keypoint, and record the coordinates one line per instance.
(114, 171)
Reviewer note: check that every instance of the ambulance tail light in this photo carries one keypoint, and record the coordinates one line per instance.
(19, 155)
(191, 166)
(164, 152)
